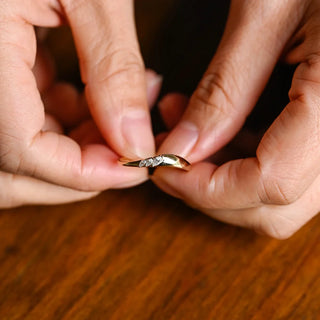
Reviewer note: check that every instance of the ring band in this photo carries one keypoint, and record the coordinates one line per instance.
(162, 160)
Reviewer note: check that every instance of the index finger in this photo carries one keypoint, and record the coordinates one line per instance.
(113, 72)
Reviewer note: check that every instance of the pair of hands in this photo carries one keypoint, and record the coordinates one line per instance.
(275, 192)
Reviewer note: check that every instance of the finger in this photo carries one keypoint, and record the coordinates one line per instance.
(43, 69)
(251, 45)
(160, 138)
(154, 82)
(305, 40)
(113, 71)
(51, 124)
(42, 34)
(40, 13)
(64, 102)
(20, 190)
(25, 148)
(171, 108)
(87, 133)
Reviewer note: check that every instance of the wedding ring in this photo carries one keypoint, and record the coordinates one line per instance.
(162, 160)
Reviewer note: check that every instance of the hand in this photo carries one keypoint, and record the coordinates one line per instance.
(63, 103)
(38, 162)
(277, 191)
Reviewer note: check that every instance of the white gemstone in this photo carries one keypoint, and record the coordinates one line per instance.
(146, 163)
(149, 162)
(157, 160)
(142, 163)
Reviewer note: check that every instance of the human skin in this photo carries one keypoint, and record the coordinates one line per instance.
(277, 191)
(40, 164)
(70, 110)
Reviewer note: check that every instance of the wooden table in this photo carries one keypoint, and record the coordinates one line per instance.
(139, 254)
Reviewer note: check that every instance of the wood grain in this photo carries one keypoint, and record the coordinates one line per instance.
(138, 254)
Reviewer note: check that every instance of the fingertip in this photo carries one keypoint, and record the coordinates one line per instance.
(172, 107)
(51, 124)
(154, 82)
(86, 133)
(182, 140)
(43, 69)
(137, 133)
(64, 102)
(160, 138)
(185, 134)
(102, 163)
(193, 186)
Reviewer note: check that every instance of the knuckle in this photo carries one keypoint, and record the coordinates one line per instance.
(313, 58)
(7, 157)
(305, 83)
(278, 191)
(120, 66)
(212, 95)
(10, 157)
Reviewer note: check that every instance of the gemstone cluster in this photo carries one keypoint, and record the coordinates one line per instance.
(151, 162)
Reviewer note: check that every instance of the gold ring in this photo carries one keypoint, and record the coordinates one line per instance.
(162, 160)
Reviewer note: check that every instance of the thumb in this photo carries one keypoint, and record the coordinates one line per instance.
(253, 40)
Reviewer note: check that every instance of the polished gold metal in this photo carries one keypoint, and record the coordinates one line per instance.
(162, 160)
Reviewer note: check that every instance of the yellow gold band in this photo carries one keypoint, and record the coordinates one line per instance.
(162, 160)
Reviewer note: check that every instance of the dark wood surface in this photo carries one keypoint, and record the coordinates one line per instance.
(139, 254)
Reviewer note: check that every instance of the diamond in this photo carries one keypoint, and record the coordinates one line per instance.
(142, 163)
(157, 160)
(146, 163)
(149, 162)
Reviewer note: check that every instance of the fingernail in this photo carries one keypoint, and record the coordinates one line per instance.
(136, 130)
(182, 139)
(154, 82)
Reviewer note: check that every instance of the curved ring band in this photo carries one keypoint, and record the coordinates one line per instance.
(162, 160)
